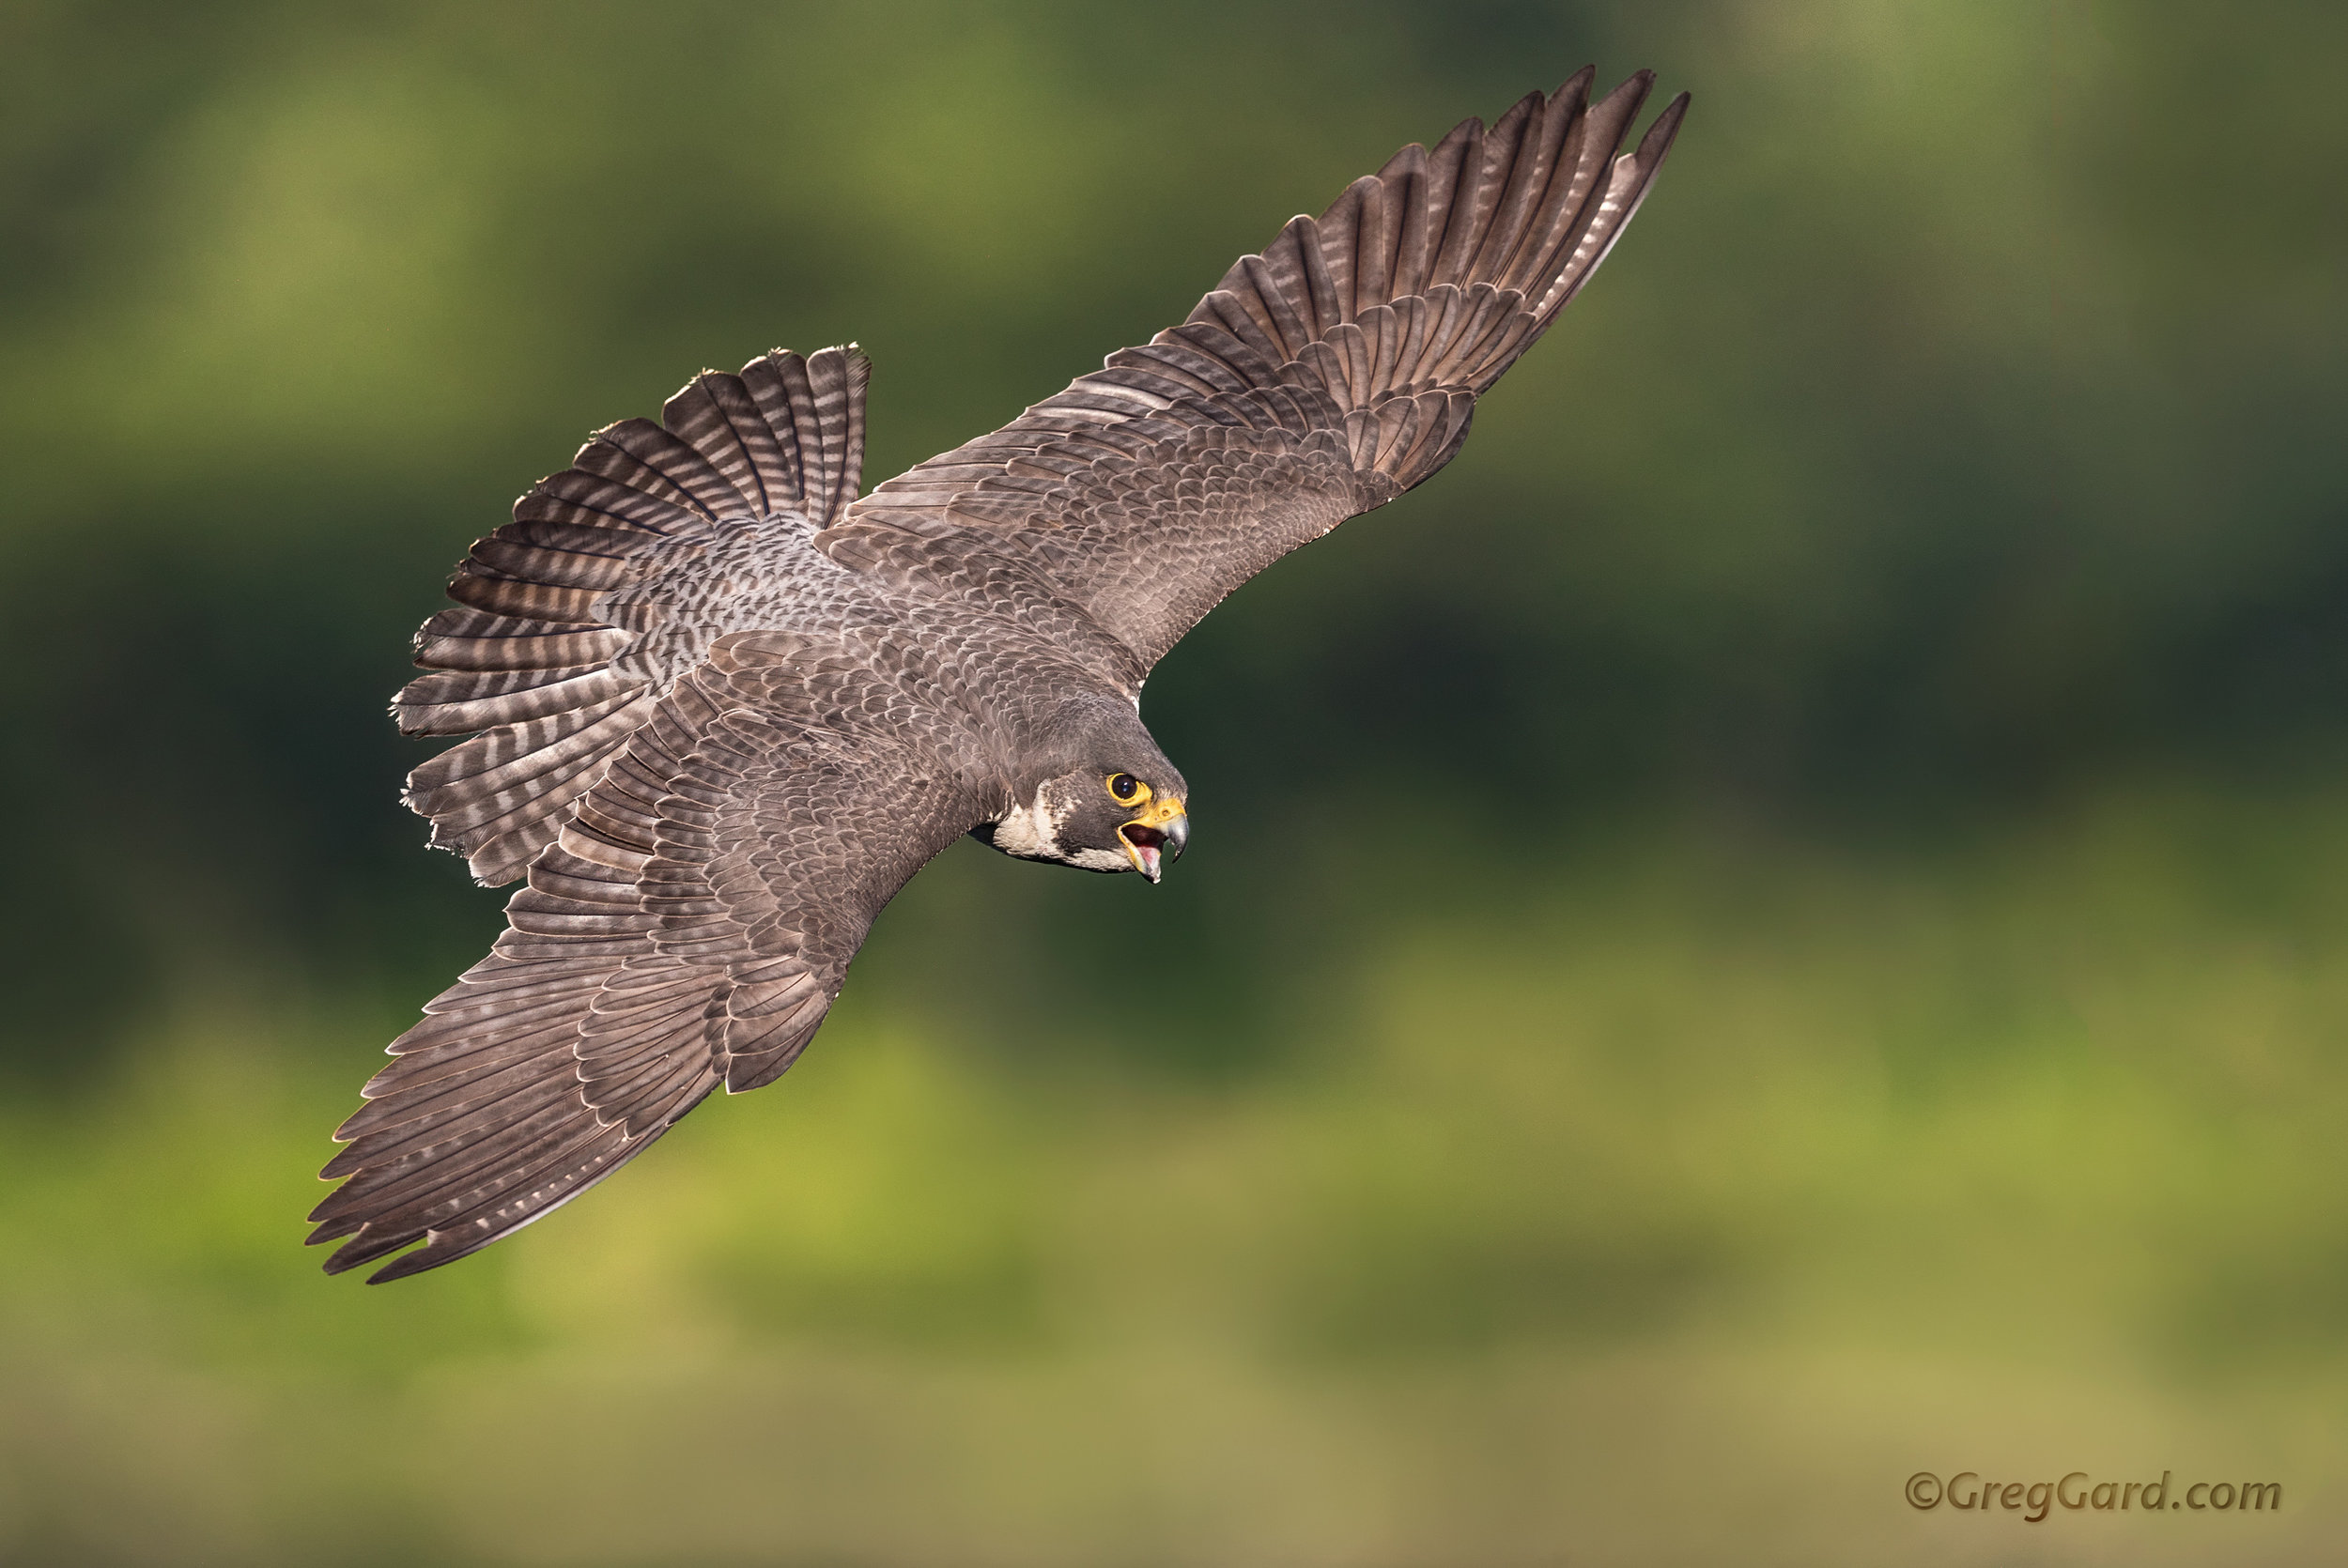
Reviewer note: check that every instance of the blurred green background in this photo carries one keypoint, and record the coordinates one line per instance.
(1783, 923)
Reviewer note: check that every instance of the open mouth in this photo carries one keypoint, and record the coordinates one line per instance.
(1146, 845)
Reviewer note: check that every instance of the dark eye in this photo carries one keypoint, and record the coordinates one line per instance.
(1123, 786)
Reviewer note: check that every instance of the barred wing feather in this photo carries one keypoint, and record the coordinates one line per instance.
(1319, 378)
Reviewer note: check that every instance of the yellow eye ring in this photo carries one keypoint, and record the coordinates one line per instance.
(1126, 790)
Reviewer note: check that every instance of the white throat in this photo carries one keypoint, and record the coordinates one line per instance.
(1031, 831)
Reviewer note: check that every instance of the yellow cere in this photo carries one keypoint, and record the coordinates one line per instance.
(1167, 808)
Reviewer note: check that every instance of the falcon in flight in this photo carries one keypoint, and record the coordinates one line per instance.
(721, 707)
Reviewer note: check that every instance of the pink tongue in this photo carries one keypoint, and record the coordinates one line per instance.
(1149, 860)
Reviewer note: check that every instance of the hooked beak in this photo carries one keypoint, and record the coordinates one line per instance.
(1155, 836)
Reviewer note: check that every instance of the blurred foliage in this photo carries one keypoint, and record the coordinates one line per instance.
(1782, 911)
(1766, 1172)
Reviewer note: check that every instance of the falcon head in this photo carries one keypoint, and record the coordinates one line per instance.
(1120, 810)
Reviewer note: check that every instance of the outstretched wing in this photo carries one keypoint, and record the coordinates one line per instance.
(690, 928)
(1321, 379)
(577, 616)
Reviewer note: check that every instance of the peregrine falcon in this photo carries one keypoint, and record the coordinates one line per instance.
(721, 707)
